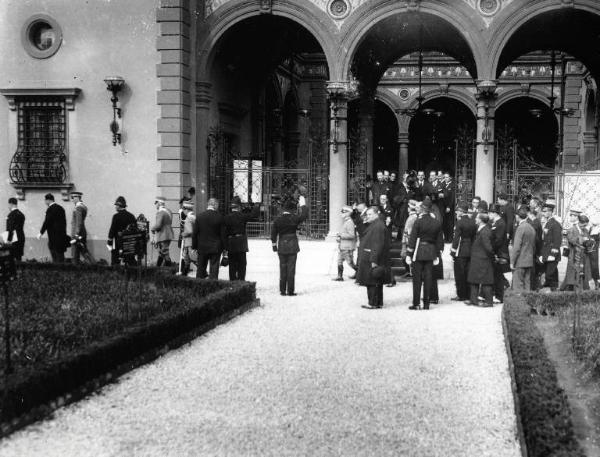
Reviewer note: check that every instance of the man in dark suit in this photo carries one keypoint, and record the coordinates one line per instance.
(533, 217)
(14, 226)
(285, 242)
(208, 239)
(464, 233)
(524, 246)
(551, 242)
(500, 246)
(449, 196)
(121, 220)
(374, 247)
(424, 245)
(236, 238)
(55, 224)
(481, 268)
(507, 211)
(423, 188)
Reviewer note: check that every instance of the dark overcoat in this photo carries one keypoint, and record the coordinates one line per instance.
(283, 231)
(500, 245)
(464, 233)
(14, 223)
(428, 230)
(374, 248)
(551, 240)
(235, 229)
(481, 268)
(209, 233)
(55, 224)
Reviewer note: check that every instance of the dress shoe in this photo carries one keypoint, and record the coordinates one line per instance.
(433, 302)
(392, 284)
(414, 307)
(470, 303)
(352, 277)
(426, 306)
(456, 299)
(370, 307)
(339, 278)
(282, 293)
(292, 294)
(486, 305)
(497, 301)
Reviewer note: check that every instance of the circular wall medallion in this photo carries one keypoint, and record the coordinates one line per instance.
(488, 7)
(338, 9)
(404, 94)
(41, 36)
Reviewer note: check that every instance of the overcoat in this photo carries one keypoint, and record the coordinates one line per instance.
(374, 248)
(500, 245)
(78, 221)
(283, 231)
(14, 223)
(162, 227)
(524, 245)
(235, 229)
(428, 230)
(551, 240)
(209, 233)
(464, 232)
(481, 267)
(55, 224)
(575, 238)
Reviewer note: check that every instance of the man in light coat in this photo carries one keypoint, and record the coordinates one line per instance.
(187, 209)
(162, 232)
(346, 244)
(524, 246)
(78, 231)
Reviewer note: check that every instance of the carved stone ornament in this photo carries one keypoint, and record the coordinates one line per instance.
(338, 9)
(488, 7)
(266, 6)
(342, 89)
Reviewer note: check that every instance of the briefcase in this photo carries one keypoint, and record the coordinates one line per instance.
(566, 251)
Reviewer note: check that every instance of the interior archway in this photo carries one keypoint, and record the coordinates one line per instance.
(385, 139)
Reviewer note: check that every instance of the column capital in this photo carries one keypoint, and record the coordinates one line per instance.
(403, 138)
(342, 90)
(486, 91)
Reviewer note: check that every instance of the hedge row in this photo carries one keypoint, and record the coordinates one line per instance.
(95, 335)
(558, 301)
(544, 410)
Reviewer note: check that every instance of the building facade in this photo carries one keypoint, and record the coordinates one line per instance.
(252, 97)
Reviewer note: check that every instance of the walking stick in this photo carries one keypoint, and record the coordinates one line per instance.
(180, 256)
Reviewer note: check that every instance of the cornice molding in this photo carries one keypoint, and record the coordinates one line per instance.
(69, 93)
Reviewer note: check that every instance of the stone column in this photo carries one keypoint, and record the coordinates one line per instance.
(366, 117)
(402, 153)
(484, 160)
(339, 93)
(203, 100)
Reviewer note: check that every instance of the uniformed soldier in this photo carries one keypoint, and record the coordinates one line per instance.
(121, 220)
(162, 232)
(551, 242)
(78, 231)
(189, 218)
(285, 242)
(424, 245)
(236, 238)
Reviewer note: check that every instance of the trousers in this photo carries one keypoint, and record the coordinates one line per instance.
(237, 266)
(422, 271)
(461, 270)
(287, 273)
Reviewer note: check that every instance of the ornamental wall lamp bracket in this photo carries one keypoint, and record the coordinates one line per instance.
(115, 84)
(486, 90)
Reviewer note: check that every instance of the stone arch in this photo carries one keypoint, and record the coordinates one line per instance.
(511, 94)
(368, 15)
(463, 97)
(514, 17)
(225, 18)
(390, 100)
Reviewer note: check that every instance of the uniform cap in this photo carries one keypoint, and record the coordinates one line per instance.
(76, 194)
(346, 209)
(426, 203)
(188, 204)
(160, 199)
(550, 204)
(574, 211)
(493, 208)
(120, 201)
(503, 196)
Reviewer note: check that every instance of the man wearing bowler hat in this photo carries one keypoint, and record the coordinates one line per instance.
(14, 226)
(424, 245)
(55, 223)
(551, 242)
(121, 220)
(375, 248)
(162, 232)
(236, 238)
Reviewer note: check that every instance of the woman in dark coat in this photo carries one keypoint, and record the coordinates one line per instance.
(481, 268)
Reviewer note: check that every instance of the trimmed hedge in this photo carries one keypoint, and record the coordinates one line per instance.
(544, 409)
(557, 301)
(95, 335)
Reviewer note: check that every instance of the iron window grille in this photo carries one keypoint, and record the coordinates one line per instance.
(41, 156)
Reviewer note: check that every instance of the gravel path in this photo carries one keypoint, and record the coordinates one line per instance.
(311, 375)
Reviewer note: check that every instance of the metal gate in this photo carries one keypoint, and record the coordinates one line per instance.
(357, 167)
(464, 171)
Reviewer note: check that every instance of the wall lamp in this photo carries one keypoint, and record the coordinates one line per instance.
(487, 91)
(114, 84)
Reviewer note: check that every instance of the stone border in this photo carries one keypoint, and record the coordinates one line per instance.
(30, 47)
(45, 410)
(173, 45)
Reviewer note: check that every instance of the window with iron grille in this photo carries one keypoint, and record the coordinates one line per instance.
(41, 156)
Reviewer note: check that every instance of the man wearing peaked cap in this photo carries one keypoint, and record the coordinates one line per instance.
(163, 232)
(551, 242)
(120, 221)
(346, 243)
(236, 239)
(78, 230)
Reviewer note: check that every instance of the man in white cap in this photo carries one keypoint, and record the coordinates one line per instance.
(162, 232)
(346, 244)
(551, 242)
(78, 231)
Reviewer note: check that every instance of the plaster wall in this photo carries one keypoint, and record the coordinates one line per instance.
(100, 38)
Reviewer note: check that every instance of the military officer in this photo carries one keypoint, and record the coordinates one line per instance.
(551, 242)
(424, 245)
(236, 238)
(78, 231)
(14, 226)
(464, 233)
(163, 232)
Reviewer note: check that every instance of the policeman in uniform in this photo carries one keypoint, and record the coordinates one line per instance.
(551, 242)
(464, 233)
(424, 245)
(121, 220)
(187, 232)
(236, 238)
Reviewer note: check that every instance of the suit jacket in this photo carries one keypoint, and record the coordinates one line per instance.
(374, 248)
(449, 194)
(378, 189)
(464, 233)
(120, 221)
(426, 189)
(163, 225)
(481, 267)
(209, 233)
(78, 221)
(55, 224)
(235, 229)
(14, 223)
(386, 212)
(551, 240)
(524, 245)
(283, 231)
(348, 236)
(429, 232)
(537, 226)
(500, 245)
(508, 214)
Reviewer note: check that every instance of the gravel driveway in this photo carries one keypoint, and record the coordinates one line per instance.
(311, 375)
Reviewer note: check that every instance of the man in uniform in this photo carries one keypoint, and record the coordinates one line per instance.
(236, 238)
(209, 240)
(500, 246)
(55, 223)
(481, 268)
(121, 220)
(374, 247)
(346, 240)
(163, 232)
(464, 233)
(285, 242)
(14, 226)
(187, 232)
(424, 245)
(551, 242)
(78, 231)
